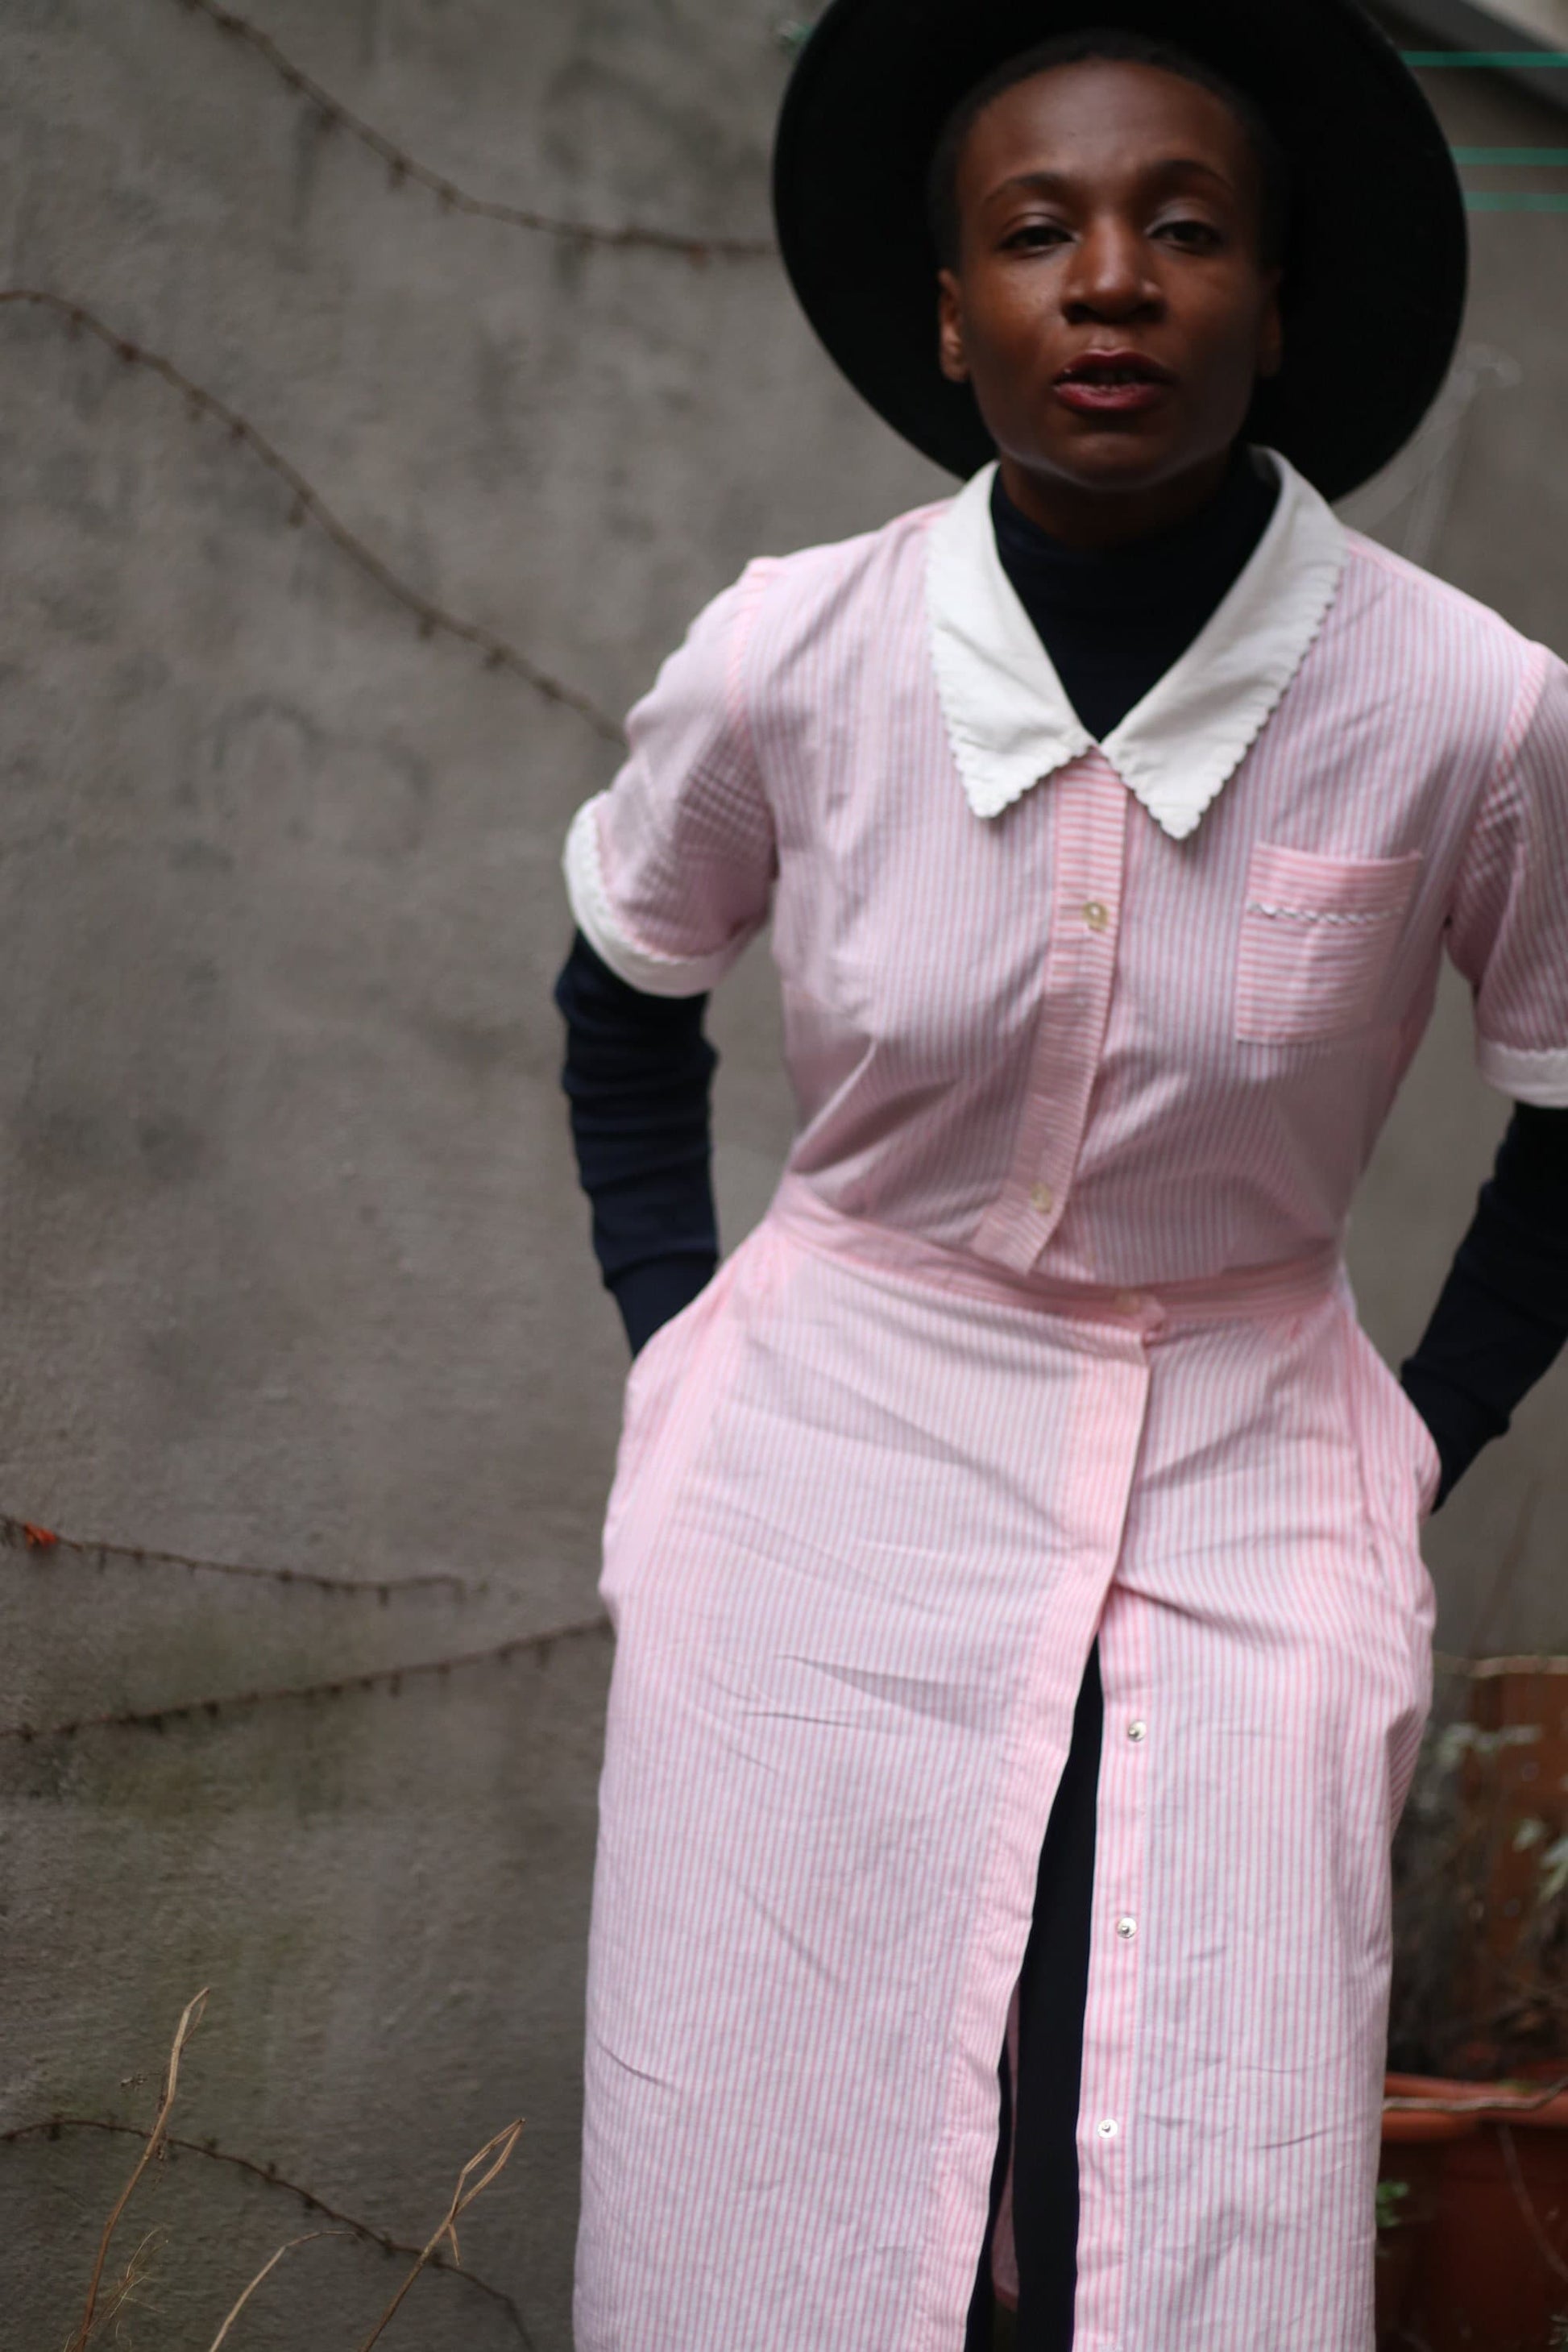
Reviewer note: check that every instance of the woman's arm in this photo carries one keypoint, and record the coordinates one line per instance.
(1502, 1317)
(638, 1072)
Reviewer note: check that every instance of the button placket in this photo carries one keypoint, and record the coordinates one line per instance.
(1108, 2141)
(1089, 854)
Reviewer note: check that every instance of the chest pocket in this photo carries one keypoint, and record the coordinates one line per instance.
(1318, 938)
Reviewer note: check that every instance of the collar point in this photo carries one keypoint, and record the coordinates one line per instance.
(988, 803)
(991, 791)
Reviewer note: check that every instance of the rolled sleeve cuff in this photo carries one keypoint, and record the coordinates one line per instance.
(638, 966)
(1524, 1075)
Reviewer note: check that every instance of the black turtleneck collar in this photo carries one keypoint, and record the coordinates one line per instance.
(1114, 620)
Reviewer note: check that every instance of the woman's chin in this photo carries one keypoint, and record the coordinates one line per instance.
(1110, 460)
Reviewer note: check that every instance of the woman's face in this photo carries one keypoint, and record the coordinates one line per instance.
(1110, 307)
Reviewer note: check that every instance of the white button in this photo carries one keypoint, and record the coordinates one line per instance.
(1096, 915)
(1129, 1302)
(1106, 2128)
(1127, 1929)
(1044, 1199)
(1136, 1731)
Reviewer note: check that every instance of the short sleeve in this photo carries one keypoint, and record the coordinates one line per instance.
(671, 871)
(1509, 931)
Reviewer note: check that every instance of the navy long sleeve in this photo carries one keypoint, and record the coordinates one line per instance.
(638, 1075)
(1502, 1317)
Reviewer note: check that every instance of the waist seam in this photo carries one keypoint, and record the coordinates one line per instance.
(1243, 1294)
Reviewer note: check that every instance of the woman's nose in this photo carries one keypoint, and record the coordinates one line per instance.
(1107, 276)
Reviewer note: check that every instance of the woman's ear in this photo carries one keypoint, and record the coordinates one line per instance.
(950, 352)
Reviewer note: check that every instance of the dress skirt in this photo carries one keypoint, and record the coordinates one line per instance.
(873, 1507)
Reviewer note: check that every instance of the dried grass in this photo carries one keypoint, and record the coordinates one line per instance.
(266, 2271)
(104, 2304)
(129, 2290)
(95, 2311)
(499, 2152)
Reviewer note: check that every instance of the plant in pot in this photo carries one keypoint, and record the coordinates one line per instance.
(1473, 2205)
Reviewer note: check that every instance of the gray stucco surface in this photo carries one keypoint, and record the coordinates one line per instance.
(293, 1267)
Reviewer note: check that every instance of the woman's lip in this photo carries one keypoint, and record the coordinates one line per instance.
(1097, 361)
(1094, 397)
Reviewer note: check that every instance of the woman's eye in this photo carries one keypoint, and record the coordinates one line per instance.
(1034, 236)
(1199, 235)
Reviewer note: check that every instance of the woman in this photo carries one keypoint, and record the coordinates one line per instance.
(1113, 819)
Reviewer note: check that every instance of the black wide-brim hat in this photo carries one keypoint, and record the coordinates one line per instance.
(1374, 268)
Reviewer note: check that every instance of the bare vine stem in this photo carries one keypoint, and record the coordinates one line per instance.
(405, 170)
(27, 1534)
(388, 1678)
(307, 505)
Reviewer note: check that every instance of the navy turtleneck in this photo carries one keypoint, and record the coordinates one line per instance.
(1114, 620)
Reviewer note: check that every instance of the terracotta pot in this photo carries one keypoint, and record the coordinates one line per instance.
(1478, 2259)
(1524, 1700)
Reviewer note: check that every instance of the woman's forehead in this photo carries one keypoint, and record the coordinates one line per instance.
(1098, 116)
(1096, 99)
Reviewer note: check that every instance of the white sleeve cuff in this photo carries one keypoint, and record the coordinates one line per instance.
(639, 967)
(1528, 1076)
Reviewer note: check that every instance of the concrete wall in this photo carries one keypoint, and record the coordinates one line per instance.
(293, 1268)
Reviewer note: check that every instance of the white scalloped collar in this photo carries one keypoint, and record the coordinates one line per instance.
(1008, 718)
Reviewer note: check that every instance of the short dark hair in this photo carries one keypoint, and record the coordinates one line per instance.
(1117, 46)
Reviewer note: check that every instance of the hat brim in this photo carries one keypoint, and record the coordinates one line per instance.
(1376, 266)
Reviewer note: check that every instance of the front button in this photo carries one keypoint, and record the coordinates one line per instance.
(1129, 1302)
(1096, 915)
(1044, 1199)
(1127, 1929)
(1107, 2127)
(1136, 1731)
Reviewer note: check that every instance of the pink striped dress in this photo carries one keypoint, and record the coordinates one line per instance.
(1047, 1334)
